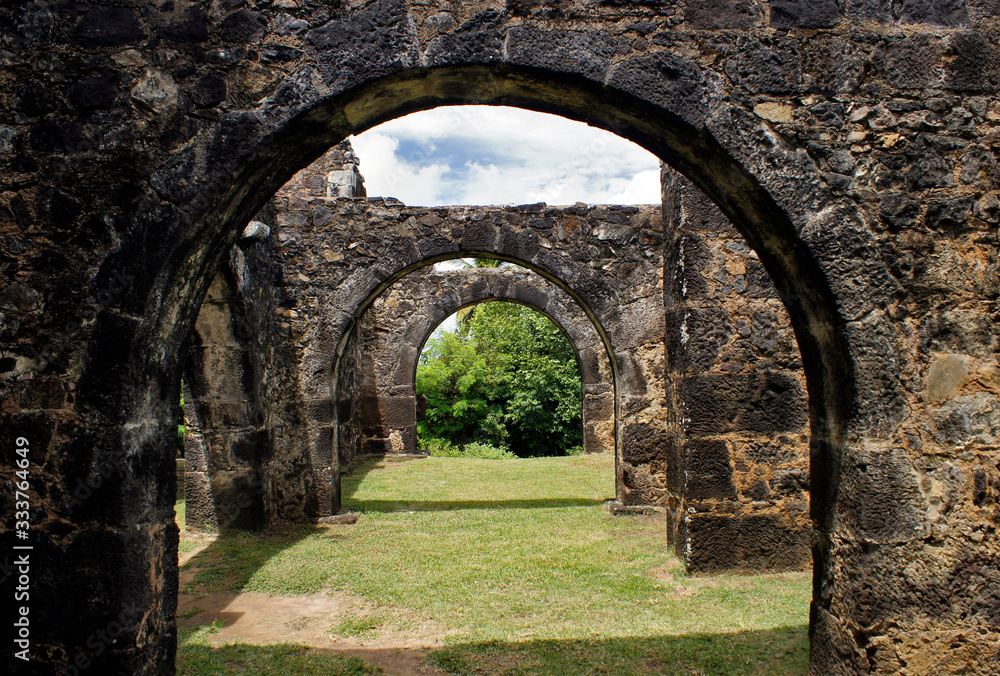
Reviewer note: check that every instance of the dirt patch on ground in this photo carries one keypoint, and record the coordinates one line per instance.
(309, 620)
(266, 620)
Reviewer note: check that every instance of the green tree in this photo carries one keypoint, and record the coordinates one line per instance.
(509, 378)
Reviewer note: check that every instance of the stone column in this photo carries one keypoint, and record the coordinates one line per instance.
(740, 485)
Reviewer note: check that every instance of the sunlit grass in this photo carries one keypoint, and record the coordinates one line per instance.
(518, 566)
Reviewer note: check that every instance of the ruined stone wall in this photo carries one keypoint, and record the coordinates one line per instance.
(740, 486)
(606, 257)
(732, 451)
(247, 462)
(222, 478)
(378, 407)
(852, 143)
(335, 174)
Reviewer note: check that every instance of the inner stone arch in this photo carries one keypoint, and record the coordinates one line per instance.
(378, 409)
(707, 406)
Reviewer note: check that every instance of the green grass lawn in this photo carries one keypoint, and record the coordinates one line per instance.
(518, 569)
(195, 657)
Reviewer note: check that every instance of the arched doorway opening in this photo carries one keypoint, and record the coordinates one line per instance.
(768, 228)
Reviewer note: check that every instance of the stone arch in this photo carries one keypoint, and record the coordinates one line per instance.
(187, 204)
(397, 326)
(605, 257)
(746, 197)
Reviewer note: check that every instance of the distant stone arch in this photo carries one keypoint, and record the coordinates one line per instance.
(381, 417)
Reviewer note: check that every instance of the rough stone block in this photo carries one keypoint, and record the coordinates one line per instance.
(972, 418)
(879, 11)
(637, 486)
(641, 442)
(323, 492)
(397, 411)
(321, 446)
(376, 447)
(913, 61)
(479, 236)
(835, 651)
(125, 583)
(562, 50)
(773, 66)
(717, 14)
(246, 448)
(531, 295)
(237, 500)
(748, 543)
(195, 451)
(105, 26)
(598, 407)
(709, 470)
(804, 13)
(937, 12)
(319, 410)
(767, 402)
(759, 283)
(976, 63)
(695, 337)
(199, 508)
(669, 80)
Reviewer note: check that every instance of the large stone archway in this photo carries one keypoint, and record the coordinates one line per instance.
(135, 168)
(737, 491)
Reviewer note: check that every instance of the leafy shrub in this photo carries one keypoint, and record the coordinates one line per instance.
(483, 451)
(441, 448)
(508, 378)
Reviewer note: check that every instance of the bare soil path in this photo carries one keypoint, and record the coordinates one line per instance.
(262, 619)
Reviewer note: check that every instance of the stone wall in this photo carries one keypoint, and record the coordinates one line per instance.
(249, 458)
(853, 144)
(345, 253)
(246, 444)
(223, 437)
(729, 453)
(335, 174)
(377, 400)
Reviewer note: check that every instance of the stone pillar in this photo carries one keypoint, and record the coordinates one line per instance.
(223, 440)
(740, 486)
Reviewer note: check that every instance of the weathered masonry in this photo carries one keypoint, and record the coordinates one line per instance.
(851, 144)
(324, 259)
(737, 490)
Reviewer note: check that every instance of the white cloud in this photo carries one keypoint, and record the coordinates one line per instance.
(392, 175)
(499, 155)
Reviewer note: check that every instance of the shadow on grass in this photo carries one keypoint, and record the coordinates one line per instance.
(231, 559)
(195, 658)
(775, 652)
(449, 505)
(352, 480)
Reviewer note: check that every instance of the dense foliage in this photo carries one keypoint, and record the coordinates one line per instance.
(506, 379)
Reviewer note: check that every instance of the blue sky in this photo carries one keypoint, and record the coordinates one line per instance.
(500, 155)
